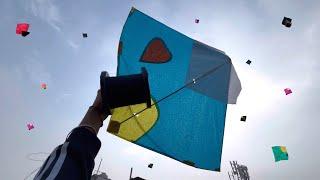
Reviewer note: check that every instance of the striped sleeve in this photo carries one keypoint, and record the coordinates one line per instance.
(74, 159)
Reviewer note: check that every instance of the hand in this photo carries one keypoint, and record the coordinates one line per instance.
(95, 116)
(98, 105)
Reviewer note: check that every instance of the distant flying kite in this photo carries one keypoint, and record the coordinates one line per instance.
(243, 118)
(30, 126)
(248, 62)
(287, 91)
(191, 85)
(287, 22)
(43, 86)
(196, 21)
(280, 153)
(84, 35)
(150, 165)
(22, 29)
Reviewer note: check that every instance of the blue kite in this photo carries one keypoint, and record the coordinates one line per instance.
(191, 84)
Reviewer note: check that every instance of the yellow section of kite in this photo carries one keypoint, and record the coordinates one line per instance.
(135, 127)
(283, 149)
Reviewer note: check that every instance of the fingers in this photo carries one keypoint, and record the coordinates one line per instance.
(98, 104)
(98, 101)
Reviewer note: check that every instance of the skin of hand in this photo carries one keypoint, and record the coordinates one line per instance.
(95, 116)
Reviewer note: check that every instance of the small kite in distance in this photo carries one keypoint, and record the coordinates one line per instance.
(150, 165)
(248, 62)
(196, 21)
(243, 118)
(22, 28)
(84, 35)
(287, 22)
(287, 91)
(43, 86)
(30, 126)
(280, 153)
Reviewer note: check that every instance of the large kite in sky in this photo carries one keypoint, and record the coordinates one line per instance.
(191, 84)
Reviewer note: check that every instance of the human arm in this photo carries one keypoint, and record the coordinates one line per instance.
(74, 159)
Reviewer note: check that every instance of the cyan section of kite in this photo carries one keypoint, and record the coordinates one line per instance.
(280, 153)
(189, 125)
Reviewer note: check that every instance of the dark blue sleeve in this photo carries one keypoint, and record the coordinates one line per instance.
(72, 160)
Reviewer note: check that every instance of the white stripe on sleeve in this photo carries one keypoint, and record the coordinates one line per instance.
(52, 157)
(56, 168)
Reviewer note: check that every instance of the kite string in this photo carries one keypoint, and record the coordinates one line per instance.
(176, 91)
(32, 173)
(137, 121)
(29, 156)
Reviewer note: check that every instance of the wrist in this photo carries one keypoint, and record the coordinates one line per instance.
(91, 129)
(93, 120)
(97, 112)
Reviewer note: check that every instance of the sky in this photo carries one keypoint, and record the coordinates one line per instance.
(55, 53)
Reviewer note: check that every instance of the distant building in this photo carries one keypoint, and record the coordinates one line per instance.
(102, 176)
(239, 172)
(137, 178)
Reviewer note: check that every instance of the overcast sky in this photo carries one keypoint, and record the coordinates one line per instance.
(55, 53)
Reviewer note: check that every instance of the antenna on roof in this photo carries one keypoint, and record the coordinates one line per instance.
(130, 174)
(240, 171)
(97, 171)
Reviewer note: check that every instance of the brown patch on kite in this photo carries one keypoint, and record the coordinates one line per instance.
(156, 52)
(114, 127)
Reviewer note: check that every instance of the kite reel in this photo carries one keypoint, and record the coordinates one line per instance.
(124, 90)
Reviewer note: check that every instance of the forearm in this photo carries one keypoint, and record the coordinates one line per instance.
(74, 159)
(93, 120)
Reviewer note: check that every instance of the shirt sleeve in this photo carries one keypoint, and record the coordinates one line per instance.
(74, 159)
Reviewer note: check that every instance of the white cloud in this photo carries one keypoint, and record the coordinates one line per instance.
(133, 150)
(139, 152)
(72, 44)
(47, 11)
(310, 32)
(62, 97)
(36, 71)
